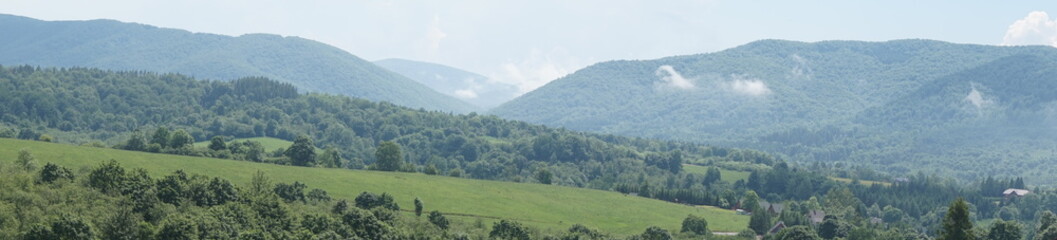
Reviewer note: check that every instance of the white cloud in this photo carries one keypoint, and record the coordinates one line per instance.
(976, 98)
(801, 69)
(434, 35)
(1035, 29)
(466, 93)
(672, 78)
(535, 70)
(751, 87)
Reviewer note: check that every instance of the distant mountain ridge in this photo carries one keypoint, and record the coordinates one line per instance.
(468, 86)
(309, 65)
(866, 103)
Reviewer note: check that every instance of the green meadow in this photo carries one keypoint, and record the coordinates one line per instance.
(544, 206)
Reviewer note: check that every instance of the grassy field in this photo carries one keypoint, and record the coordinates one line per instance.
(863, 182)
(544, 206)
(730, 176)
(269, 144)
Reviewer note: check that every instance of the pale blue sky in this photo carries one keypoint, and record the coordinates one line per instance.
(529, 43)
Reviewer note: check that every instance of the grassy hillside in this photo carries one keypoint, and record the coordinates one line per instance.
(534, 204)
(311, 66)
(467, 86)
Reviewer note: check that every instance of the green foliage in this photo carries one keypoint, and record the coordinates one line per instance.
(655, 233)
(366, 225)
(178, 228)
(760, 221)
(26, 160)
(217, 143)
(750, 201)
(52, 172)
(108, 177)
(340, 207)
(135, 143)
(796, 233)
(121, 225)
(544, 176)
(747, 234)
(581, 232)
(438, 219)
(713, 175)
(695, 224)
(291, 192)
(368, 200)
(318, 195)
(1047, 233)
(892, 214)
(388, 156)
(956, 223)
(161, 137)
(509, 230)
(66, 227)
(418, 207)
(330, 158)
(71, 228)
(1004, 230)
(302, 152)
(832, 228)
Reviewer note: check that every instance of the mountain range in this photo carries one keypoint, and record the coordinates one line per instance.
(897, 106)
(309, 65)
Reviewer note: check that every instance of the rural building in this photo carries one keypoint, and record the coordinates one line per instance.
(772, 208)
(1014, 192)
(777, 227)
(816, 216)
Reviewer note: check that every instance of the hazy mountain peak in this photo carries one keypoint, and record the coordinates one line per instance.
(467, 86)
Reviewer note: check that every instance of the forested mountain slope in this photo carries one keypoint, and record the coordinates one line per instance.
(468, 86)
(791, 97)
(84, 105)
(309, 65)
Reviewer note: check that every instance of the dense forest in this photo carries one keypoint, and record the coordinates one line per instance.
(307, 64)
(897, 107)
